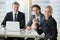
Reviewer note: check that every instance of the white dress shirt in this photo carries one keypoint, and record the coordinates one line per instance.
(38, 19)
(14, 15)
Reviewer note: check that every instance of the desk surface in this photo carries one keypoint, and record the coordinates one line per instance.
(7, 33)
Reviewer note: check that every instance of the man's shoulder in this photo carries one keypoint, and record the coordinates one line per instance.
(32, 15)
(21, 13)
(42, 14)
(8, 13)
(18, 12)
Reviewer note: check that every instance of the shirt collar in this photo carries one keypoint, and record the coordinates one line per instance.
(38, 16)
(15, 13)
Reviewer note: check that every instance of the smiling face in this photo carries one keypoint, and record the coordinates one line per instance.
(15, 7)
(48, 12)
(36, 11)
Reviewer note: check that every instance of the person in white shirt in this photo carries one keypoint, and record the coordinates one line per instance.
(15, 15)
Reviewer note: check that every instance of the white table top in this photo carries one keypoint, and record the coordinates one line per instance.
(10, 33)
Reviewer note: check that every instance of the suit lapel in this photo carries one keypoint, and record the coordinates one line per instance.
(11, 16)
(18, 16)
(40, 18)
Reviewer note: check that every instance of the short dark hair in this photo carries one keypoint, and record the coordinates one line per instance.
(15, 3)
(37, 6)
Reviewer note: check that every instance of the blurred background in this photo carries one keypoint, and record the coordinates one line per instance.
(25, 6)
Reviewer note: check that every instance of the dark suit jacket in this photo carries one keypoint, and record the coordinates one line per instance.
(20, 19)
(49, 27)
(39, 31)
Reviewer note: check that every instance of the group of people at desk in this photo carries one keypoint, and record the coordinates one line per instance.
(41, 23)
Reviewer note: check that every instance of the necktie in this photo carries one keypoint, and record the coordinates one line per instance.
(15, 17)
(38, 21)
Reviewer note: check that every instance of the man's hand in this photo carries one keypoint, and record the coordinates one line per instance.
(28, 28)
(34, 21)
(34, 24)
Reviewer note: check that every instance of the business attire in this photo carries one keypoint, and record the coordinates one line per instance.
(49, 27)
(39, 19)
(11, 16)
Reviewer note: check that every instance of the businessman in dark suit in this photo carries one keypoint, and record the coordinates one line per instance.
(49, 25)
(10, 17)
(35, 20)
(15, 15)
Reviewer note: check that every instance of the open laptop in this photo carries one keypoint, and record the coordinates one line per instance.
(12, 26)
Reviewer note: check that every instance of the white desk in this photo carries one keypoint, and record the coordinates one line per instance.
(6, 34)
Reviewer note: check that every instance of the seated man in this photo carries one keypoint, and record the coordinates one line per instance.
(15, 15)
(36, 19)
